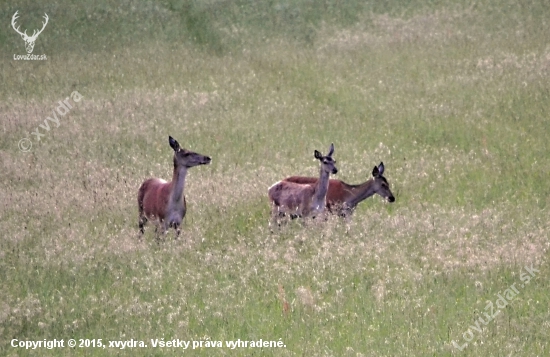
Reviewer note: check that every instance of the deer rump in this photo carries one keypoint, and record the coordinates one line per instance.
(336, 190)
(293, 198)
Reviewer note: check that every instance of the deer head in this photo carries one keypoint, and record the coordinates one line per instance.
(381, 185)
(186, 158)
(29, 40)
(328, 164)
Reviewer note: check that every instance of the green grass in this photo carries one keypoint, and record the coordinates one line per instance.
(452, 96)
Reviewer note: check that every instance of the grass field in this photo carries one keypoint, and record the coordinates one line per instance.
(453, 97)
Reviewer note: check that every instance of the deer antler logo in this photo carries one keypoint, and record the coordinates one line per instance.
(29, 40)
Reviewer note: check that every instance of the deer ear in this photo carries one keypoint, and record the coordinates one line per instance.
(375, 172)
(331, 150)
(381, 169)
(173, 143)
(318, 155)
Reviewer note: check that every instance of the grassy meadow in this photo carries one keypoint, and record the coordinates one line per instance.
(453, 97)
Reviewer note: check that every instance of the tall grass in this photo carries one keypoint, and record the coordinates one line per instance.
(451, 96)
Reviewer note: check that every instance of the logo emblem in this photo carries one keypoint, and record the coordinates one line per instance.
(29, 40)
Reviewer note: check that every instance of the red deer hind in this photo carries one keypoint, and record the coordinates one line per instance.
(342, 198)
(164, 202)
(303, 199)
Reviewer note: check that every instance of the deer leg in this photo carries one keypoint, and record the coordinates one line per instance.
(176, 224)
(160, 230)
(177, 228)
(276, 214)
(141, 223)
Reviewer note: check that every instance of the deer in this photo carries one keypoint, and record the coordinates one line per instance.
(303, 199)
(29, 40)
(164, 202)
(343, 198)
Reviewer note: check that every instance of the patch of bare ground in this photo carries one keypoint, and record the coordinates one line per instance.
(405, 246)
(440, 26)
(142, 107)
(461, 238)
(531, 65)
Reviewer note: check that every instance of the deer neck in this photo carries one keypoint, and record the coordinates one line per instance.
(321, 189)
(360, 192)
(178, 182)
